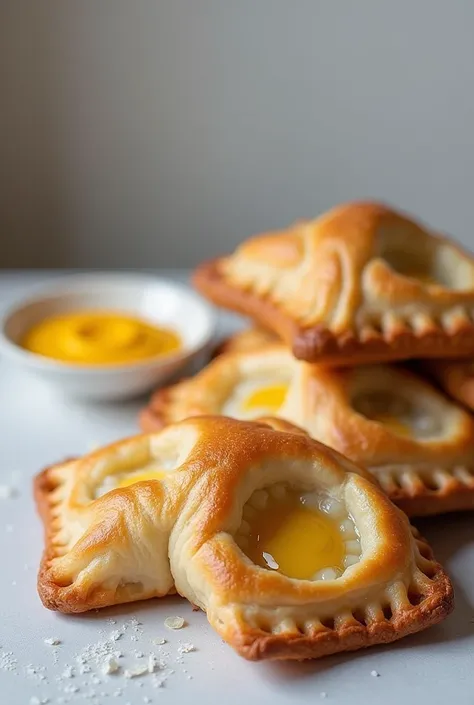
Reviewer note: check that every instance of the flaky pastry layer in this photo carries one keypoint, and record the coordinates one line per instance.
(177, 533)
(422, 474)
(344, 288)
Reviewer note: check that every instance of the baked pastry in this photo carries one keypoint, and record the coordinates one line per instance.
(418, 444)
(291, 550)
(360, 283)
(456, 377)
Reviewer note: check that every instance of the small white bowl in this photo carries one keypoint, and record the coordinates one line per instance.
(157, 300)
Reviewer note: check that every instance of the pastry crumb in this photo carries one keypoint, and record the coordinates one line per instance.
(135, 672)
(375, 674)
(186, 648)
(174, 622)
(110, 666)
(323, 694)
(159, 642)
(51, 641)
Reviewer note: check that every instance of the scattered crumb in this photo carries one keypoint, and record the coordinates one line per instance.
(110, 665)
(186, 648)
(323, 694)
(68, 672)
(151, 663)
(174, 622)
(159, 642)
(116, 635)
(135, 672)
(146, 699)
(139, 654)
(51, 641)
(7, 661)
(375, 674)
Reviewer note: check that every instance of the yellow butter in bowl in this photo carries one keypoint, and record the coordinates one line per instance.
(99, 338)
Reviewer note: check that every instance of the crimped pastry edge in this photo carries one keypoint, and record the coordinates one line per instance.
(435, 606)
(319, 344)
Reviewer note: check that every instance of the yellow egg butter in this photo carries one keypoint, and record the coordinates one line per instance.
(99, 338)
(295, 539)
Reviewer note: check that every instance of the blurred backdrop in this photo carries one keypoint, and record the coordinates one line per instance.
(158, 133)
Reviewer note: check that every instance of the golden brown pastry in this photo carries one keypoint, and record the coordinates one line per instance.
(292, 551)
(418, 444)
(456, 377)
(360, 283)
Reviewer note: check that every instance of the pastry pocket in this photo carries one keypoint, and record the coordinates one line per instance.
(294, 552)
(361, 283)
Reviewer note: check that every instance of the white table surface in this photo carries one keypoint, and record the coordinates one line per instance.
(37, 428)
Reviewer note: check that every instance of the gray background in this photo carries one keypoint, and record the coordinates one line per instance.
(159, 133)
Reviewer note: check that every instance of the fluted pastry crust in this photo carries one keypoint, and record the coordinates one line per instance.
(153, 537)
(423, 475)
(342, 289)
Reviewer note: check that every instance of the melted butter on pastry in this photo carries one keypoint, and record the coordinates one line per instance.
(304, 537)
(270, 398)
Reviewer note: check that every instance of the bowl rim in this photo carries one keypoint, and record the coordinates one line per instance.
(69, 284)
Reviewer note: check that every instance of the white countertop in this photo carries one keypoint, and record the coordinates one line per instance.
(38, 428)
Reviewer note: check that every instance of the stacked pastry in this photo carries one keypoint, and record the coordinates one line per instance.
(243, 495)
(351, 294)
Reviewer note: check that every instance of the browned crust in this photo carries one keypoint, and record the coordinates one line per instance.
(457, 497)
(47, 589)
(319, 344)
(435, 605)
